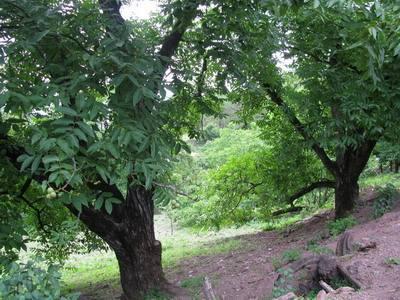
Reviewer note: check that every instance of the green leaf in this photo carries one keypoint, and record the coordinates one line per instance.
(50, 159)
(67, 111)
(27, 161)
(137, 96)
(38, 36)
(98, 203)
(86, 128)
(95, 147)
(102, 172)
(35, 164)
(36, 137)
(79, 133)
(77, 203)
(113, 150)
(108, 207)
(65, 147)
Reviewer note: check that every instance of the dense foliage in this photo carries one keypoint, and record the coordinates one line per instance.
(94, 108)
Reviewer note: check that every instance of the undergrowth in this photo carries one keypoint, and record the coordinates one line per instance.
(338, 226)
(387, 197)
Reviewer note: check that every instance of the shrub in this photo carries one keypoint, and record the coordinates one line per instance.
(30, 281)
(291, 255)
(385, 201)
(282, 285)
(338, 226)
(286, 257)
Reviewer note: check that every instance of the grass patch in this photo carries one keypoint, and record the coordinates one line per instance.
(156, 295)
(85, 272)
(387, 197)
(338, 226)
(281, 223)
(175, 251)
(193, 285)
(392, 261)
(380, 180)
(338, 282)
(82, 272)
(285, 258)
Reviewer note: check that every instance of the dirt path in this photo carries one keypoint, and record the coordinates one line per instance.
(248, 273)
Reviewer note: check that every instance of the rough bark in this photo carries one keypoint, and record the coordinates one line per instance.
(346, 195)
(351, 162)
(129, 231)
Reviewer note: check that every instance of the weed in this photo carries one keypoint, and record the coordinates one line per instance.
(156, 295)
(312, 295)
(338, 226)
(385, 201)
(318, 249)
(286, 257)
(291, 255)
(392, 261)
(193, 284)
(282, 285)
(338, 282)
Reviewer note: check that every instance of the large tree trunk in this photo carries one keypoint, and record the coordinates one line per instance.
(137, 250)
(350, 163)
(129, 231)
(346, 195)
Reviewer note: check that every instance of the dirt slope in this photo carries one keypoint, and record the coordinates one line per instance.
(248, 273)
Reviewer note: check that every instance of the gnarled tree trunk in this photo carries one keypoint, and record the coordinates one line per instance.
(129, 231)
(350, 163)
(346, 195)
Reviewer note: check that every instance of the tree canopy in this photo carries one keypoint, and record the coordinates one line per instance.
(94, 107)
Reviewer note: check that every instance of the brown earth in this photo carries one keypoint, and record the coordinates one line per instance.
(249, 274)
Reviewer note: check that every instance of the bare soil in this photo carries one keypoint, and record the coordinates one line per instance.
(249, 274)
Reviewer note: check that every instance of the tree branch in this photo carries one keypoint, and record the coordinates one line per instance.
(172, 40)
(325, 183)
(277, 99)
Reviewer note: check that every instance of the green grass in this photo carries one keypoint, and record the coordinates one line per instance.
(380, 180)
(193, 284)
(338, 226)
(392, 261)
(90, 271)
(286, 257)
(174, 252)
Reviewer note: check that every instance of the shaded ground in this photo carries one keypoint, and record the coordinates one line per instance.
(248, 273)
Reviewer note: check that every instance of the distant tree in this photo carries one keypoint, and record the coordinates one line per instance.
(84, 124)
(343, 94)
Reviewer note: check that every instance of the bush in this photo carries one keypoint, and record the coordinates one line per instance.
(30, 281)
(282, 285)
(387, 197)
(286, 257)
(338, 226)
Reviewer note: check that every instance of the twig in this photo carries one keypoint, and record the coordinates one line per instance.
(208, 290)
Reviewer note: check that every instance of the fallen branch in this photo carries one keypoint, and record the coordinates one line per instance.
(208, 290)
(326, 286)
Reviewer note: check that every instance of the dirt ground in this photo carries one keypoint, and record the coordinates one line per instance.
(249, 274)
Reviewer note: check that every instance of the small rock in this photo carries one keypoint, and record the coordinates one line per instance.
(288, 296)
(321, 295)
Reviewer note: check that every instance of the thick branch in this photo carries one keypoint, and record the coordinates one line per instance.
(287, 210)
(326, 183)
(111, 9)
(172, 40)
(277, 99)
